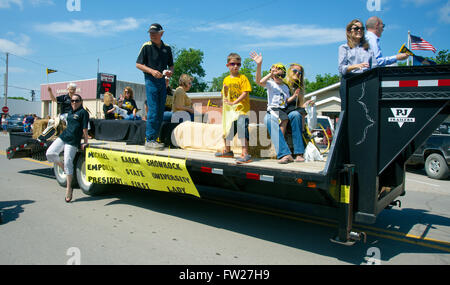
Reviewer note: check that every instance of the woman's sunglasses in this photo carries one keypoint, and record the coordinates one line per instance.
(75, 101)
(357, 29)
(296, 71)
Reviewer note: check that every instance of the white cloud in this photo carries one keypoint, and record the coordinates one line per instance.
(41, 2)
(89, 27)
(5, 4)
(279, 35)
(18, 46)
(418, 3)
(444, 13)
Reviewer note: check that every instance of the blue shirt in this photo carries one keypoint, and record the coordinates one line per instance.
(374, 42)
(350, 56)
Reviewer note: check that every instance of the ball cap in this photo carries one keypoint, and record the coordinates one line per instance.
(155, 28)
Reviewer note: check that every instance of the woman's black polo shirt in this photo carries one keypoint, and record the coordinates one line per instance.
(76, 121)
(154, 57)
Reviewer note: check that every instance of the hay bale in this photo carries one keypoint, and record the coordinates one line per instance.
(38, 127)
(208, 137)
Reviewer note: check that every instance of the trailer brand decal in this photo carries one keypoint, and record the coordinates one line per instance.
(138, 170)
(401, 116)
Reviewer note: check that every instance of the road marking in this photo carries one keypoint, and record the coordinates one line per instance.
(31, 160)
(382, 233)
(397, 236)
(426, 183)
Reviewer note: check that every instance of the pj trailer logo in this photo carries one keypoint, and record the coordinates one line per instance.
(401, 116)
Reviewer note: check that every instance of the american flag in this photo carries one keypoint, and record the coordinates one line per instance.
(417, 43)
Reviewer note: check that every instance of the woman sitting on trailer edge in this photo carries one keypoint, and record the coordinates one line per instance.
(69, 141)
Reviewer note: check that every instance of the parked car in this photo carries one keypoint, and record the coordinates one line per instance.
(15, 123)
(434, 154)
(327, 125)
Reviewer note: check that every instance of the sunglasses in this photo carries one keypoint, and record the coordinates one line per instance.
(297, 71)
(357, 29)
(235, 63)
(75, 101)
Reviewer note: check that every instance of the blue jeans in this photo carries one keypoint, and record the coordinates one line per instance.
(276, 136)
(156, 92)
(280, 144)
(130, 117)
(296, 122)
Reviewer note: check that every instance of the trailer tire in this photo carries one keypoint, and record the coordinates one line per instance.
(87, 187)
(61, 177)
(436, 167)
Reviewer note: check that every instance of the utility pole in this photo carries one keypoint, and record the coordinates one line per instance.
(6, 81)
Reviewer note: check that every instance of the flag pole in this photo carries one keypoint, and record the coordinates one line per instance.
(409, 47)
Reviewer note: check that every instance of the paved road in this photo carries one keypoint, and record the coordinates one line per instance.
(129, 226)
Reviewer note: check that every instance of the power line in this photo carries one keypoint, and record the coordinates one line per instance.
(41, 64)
(23, 88)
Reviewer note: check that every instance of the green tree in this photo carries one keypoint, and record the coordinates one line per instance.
(18, 98)
(321, 81)
(443, 57)
(189, 61)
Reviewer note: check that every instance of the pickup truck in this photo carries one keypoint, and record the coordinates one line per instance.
(389, 113)
(434, 154)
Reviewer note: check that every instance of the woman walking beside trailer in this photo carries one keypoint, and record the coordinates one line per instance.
(69, 141)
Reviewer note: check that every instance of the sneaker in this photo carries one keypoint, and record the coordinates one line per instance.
(152, 145)
(244, 159)
(224, 153)
(286, 159)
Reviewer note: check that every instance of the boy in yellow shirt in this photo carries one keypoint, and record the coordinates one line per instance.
(236, 105)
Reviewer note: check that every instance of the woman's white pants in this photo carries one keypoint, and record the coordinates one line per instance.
(69, 154)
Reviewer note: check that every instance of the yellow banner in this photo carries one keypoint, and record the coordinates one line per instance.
(404, 49)
(139, 170)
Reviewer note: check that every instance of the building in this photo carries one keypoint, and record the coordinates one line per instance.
(328, 101)
(87, 89)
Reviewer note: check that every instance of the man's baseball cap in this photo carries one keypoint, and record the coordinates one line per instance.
(155, 28)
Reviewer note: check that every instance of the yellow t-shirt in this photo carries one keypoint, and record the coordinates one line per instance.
(230, 113)
(236, 86)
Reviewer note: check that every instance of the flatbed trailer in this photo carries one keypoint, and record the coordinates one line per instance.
(389, 113)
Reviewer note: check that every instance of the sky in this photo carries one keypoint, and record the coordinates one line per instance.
(76, 37)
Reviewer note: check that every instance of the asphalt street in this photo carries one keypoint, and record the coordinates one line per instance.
(130, 226)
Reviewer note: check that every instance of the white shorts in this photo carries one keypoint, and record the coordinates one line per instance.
(69, 154)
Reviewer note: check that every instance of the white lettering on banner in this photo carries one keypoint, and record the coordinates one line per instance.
(65, 91)
(107, 77)
(374, 5)
(401, 116)
(73, 5)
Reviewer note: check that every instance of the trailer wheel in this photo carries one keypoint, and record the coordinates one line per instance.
(436, 167)
(87, 187)
(61, 177)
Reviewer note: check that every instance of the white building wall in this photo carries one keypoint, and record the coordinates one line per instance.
(22, 107)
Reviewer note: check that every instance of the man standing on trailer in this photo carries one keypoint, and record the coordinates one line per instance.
(154, 59)
(375, 28)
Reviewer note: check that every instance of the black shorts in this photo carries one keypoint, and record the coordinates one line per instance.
(240, 126)
(280, 113)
